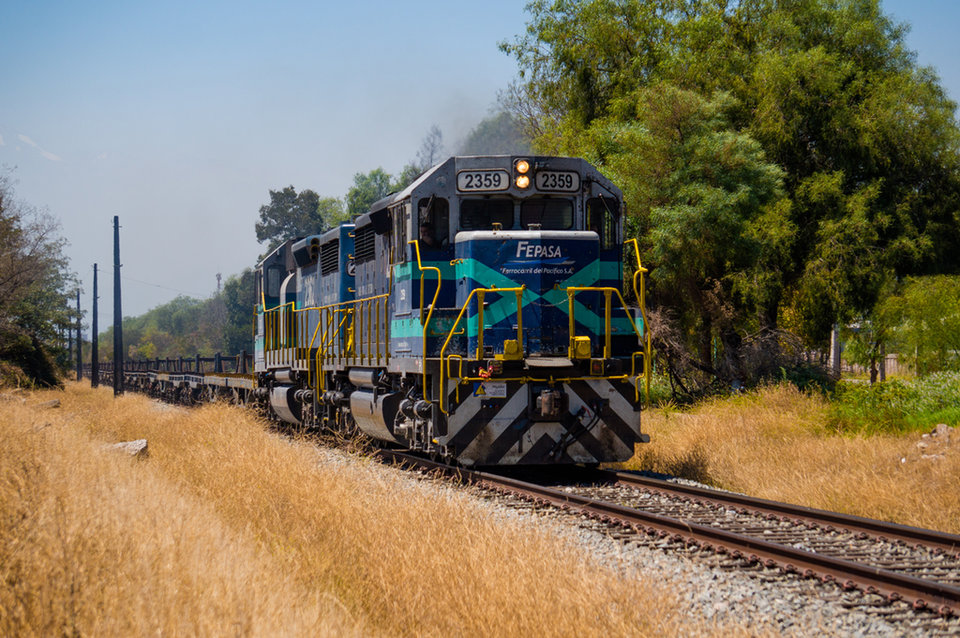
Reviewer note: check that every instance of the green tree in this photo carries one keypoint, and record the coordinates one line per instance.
(186, 327)
(367, 188)
(332, 212)
(239, 297)
(290, 214)
(925, 320)
(867, 338)
(36, 288)
(866, 139)
(408, 174)
(710, 215)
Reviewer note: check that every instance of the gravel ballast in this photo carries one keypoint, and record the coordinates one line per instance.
(712, 587)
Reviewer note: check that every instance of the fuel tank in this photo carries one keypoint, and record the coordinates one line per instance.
(375, 414)
(284, 403)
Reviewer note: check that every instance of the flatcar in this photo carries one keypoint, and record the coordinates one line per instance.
(477, 315)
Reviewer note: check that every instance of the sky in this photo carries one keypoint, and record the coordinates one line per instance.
(179, 117)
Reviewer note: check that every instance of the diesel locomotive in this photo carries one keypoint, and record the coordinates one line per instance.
(477, 315)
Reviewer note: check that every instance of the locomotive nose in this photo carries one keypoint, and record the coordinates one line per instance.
(545, 263)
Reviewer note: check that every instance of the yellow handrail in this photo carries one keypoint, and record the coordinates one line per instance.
(433, 304)
(324, 320)
(341, 306)
(310, 348)
(642, 301)
(356, 312)
(479, 292)
(572, 290)
(608, 292)
(273, 326)
(459, 372)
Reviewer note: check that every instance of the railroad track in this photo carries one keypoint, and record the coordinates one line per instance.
(897, 562)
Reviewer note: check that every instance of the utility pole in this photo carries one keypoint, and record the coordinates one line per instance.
(218, 282)
(79, 340)
(117, 313)
(94, 345)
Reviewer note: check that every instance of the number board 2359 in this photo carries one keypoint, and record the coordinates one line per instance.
(564, 181)
(483, 180)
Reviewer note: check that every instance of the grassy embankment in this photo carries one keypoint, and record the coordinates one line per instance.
(781, 444)
(228, 528)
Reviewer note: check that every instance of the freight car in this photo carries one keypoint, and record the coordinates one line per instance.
(476, 315)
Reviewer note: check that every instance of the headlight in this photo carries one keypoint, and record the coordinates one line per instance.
(521, 170)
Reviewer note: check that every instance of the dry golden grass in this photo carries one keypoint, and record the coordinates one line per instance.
(228, 528)
(774, 444)
(93, 542)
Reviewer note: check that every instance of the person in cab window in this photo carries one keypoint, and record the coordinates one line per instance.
(427, 238)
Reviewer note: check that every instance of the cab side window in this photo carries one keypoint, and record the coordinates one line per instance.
(433, 220)
(271, 286)
(400, 215)
(603, 216)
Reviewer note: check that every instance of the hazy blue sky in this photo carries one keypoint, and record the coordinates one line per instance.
(180, 116)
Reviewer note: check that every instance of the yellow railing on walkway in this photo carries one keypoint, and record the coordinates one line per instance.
(358, 327)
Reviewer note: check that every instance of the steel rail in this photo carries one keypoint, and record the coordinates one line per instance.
(936, 540)
(848, 574)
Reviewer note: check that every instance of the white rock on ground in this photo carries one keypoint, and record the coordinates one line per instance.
(136, 449)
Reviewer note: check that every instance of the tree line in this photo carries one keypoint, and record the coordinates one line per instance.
(787, 164)
(186, 326)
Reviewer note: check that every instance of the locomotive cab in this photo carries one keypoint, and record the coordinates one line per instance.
(275, 290)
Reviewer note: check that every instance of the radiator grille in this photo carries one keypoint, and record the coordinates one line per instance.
(364, 244)
(330, 257)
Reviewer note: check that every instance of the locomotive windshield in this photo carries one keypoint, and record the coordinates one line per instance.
(551, 214)
(482, 214)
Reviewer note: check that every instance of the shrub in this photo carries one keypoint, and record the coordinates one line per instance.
(926, 322)
(896, 405)
(26, 361)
